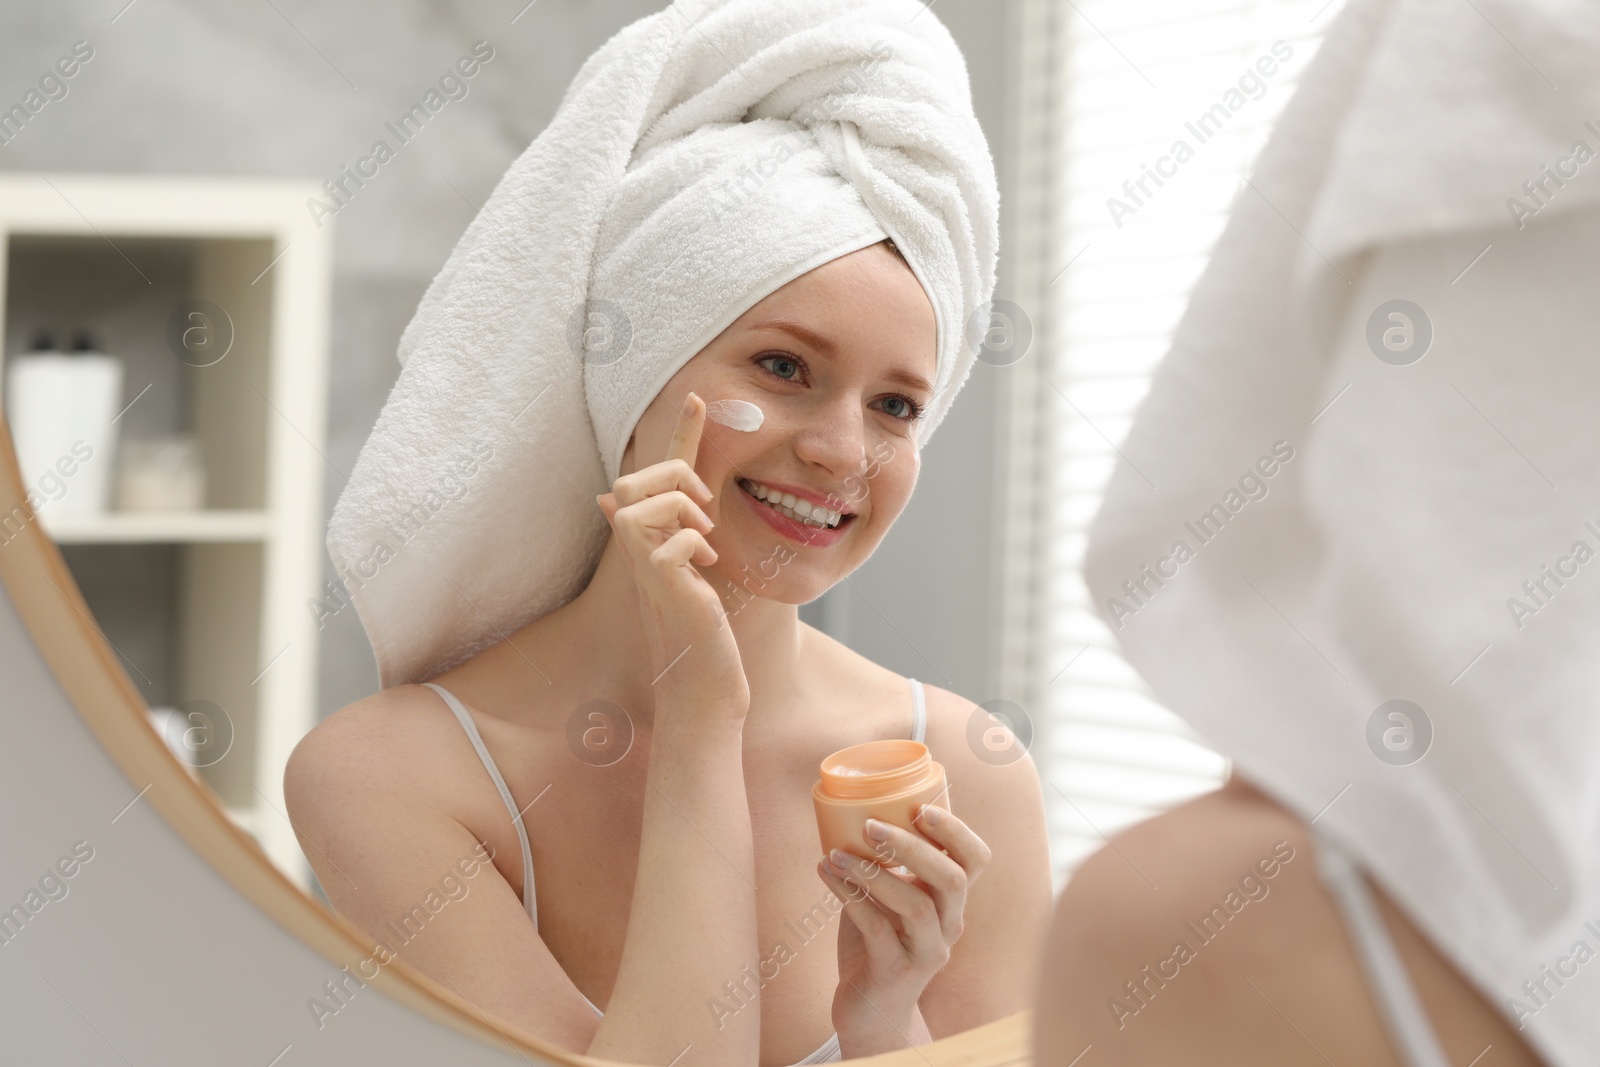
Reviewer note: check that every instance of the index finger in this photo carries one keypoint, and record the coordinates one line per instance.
(685, 443)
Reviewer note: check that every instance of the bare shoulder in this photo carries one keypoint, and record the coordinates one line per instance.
(378, 797)
(1159, 935)
(989, 768)
(994, 785)
(362, 776)
(995, 793)
(390, 737)
(985, 750)
(1202, 840)
(1200, 933)
(1134, 895)
(994, 789)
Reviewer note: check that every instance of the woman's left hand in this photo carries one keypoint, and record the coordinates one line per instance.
(901, 927)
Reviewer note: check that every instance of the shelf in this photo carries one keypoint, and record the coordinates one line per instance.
(196, 604)
(157, 527)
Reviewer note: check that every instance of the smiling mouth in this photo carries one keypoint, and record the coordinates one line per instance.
(819, 517)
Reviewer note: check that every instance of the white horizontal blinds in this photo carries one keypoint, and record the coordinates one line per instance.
(1167, 103)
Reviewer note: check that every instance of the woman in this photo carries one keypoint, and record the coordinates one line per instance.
(656, 736)
(1318, 553)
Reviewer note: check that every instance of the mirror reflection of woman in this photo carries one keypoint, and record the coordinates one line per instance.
(656, 737)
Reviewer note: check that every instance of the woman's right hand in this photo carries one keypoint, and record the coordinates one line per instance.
(656, 515)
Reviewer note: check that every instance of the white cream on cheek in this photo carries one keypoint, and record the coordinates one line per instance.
(738, 415)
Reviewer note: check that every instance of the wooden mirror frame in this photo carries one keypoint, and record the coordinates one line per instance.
(75, 664)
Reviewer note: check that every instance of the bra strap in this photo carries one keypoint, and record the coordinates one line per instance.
(1397, 998)
(528, 896)
(919, 711)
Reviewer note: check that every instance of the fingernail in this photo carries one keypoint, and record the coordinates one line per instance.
(877, 830)
(930, 815)
(840, 859)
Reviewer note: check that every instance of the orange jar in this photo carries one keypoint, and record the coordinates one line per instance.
(884, 780)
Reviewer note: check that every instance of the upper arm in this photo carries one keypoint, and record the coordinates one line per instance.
(991, 970)
(415, 877)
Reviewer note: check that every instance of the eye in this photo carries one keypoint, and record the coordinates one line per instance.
(782, 359)
(909, 410)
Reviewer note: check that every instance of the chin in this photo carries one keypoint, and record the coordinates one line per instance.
(740, 581)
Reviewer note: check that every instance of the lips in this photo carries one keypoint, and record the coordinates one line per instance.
(811, 536)
(804, 505)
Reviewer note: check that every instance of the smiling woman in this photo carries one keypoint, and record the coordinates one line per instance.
(616, 686)
(728, 703)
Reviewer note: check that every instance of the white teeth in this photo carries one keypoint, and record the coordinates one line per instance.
(800, 510)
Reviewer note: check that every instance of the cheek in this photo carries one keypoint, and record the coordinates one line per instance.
(653, 433)
(721, 452)
(889, 485)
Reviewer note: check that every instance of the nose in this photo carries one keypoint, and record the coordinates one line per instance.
(833, 435)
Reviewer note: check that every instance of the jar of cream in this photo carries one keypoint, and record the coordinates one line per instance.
(884, 780)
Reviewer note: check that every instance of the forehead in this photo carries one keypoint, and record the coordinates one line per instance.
(867, 304)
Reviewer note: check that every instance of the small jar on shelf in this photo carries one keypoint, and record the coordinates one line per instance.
(161, 474)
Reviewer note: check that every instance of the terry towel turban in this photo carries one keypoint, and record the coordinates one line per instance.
(703, 157)
(1376, 434)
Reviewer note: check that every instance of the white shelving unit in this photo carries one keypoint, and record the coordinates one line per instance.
(178, 527)
(207, 605)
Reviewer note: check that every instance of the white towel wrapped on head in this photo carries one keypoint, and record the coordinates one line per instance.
(702, 158)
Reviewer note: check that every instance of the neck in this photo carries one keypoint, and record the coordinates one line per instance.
(603, 631)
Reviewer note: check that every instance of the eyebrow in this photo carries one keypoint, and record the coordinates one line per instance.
(822, 344)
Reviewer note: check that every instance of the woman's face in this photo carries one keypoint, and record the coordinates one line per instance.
(840, 360)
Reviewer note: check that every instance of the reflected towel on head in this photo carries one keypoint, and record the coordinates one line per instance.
(702, 158)
(1373, 432)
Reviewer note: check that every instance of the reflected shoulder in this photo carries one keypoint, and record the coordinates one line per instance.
(997, 793)
(962, 736)
(1193, 934)
(387, 740)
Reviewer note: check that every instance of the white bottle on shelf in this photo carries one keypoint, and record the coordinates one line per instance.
(61, 406)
